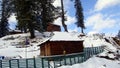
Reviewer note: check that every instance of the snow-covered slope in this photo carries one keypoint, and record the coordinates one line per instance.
(110, 58)
(21, 46)
(14, 46)
(96, 62)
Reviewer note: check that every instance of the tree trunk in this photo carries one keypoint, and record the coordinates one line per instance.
(25, 29)
(44, 14)
(82, 30)
(31, 29)
(63, 17)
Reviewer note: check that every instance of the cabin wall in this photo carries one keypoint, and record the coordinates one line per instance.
(66, 47)
(52, 27)
(45, 49)
(61, 47)
(42, 50)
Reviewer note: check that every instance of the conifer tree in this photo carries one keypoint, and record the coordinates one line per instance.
(24, 13)
(4, 15)
(79, 15)
(48, 12)
(34, 14)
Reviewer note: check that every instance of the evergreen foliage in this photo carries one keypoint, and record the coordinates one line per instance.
(79, 15)
(34, 14)
(4, 15)
(48, 12)
(31, 14)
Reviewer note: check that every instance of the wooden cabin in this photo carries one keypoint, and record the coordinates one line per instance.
(61, 43)
(53, 27)
(14, 32)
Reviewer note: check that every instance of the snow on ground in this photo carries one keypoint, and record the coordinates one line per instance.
(96, 62)
(13, 46)
(97, 40)
(107, 60)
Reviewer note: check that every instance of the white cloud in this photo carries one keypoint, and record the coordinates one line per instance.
(100, 22)
(70, 20)
(101, 4)
(66, 3)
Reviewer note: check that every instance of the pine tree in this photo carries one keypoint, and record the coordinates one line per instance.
(5, 14)
(24, 13)
(79, 15)
(34, 14)
(48, 12)
(0, 19)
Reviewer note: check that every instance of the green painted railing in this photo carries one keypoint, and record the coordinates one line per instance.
(52, 61)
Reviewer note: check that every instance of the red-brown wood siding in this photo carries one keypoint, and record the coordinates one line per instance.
(52, 27)
(61, 47)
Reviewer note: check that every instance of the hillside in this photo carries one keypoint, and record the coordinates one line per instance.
(20, 46)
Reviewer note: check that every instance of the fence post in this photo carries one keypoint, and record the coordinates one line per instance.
(26, 63)
(10, 64)
(102, 48)
(78, 59)
(42, 59)
(70, 61)
(1, 63)
(74, 60)
(34, 62)
(98, 51)
(51, 64)
(60, 63)
(48, 64)
(54, 64)
(18, 63)
(64, 61)
(95, 51)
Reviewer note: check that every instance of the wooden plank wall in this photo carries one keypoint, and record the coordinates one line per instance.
(52, 27)
(61, 47)
(68, 47)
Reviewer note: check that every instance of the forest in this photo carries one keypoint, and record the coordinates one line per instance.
(36, 14)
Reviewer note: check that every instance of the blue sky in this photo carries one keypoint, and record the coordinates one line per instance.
(100, 16)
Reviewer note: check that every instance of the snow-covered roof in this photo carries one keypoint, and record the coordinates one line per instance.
(64, 36)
